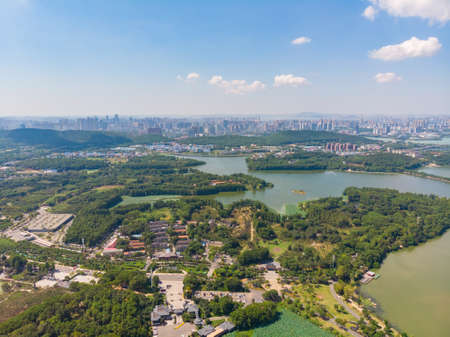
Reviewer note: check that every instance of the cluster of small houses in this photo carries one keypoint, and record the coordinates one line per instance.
(162, 313)
(160, 242)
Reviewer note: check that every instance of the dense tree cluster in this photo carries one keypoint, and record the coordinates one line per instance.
(67, 140)
(308, 137)
(131, 279)
(224, 278)
(253, 256)
(300, 160)
(362, 228)
(219, 306)
(272, 295)
(309, 161)
(254, 314)
(63, 164)
(88, 311)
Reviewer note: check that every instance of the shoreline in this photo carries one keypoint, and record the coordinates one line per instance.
(409, 173)
(417, 174)
(377, 308)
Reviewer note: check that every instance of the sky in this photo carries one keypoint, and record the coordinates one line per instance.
(190, 58)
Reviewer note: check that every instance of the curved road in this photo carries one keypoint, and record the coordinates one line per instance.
(346, 307)
(341, 302)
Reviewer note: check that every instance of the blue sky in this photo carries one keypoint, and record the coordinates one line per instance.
(133, 57)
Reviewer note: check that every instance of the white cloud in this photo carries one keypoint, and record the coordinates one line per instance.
(411, 48)
(369, 13)
(289, 80)
(386, 77)
(301, 40)
(189, 78)
(192, 76)
(238, 87)
(432, 10)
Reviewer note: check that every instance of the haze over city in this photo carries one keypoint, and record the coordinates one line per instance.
(78, 58)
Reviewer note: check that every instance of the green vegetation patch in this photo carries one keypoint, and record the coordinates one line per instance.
(89, 311)
(292, 209)
(19, 301)
(308, 137)
(288, 325)
(127, 200)
(313, 161)
(68, 140)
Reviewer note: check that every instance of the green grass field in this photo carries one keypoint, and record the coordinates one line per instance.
(276, 249)
(127, 200)
(134, 265)
(324, 294)
(6, 244)
(288, 325)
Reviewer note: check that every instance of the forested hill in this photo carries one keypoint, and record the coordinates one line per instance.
(78, 140)
(307, 137)
(68, 140)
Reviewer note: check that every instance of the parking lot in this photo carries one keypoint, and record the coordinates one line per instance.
(173, 285)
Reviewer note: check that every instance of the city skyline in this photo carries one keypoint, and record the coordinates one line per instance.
(154, 59)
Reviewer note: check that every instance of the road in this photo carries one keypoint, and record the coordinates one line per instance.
(351, 332)
(349, 310)
(341, 302)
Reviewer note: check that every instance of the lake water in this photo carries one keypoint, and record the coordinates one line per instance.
(443, 141)
(413, 292)
(443, 171)
(314, 184)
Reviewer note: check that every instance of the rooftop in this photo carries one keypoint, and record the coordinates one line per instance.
(206, 330)
(46, 222)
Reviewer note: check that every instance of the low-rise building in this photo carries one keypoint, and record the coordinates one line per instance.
(48, 222)
(160, 314)
(206, 331)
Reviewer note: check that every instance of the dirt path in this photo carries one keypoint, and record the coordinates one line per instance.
(272, 277)
(245, 220)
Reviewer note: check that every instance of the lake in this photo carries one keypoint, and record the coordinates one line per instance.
(413, 291)
(314, 184)
(443, 141)
(443, 171)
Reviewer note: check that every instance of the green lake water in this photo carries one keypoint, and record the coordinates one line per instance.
(413, 291)
(314, 184)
